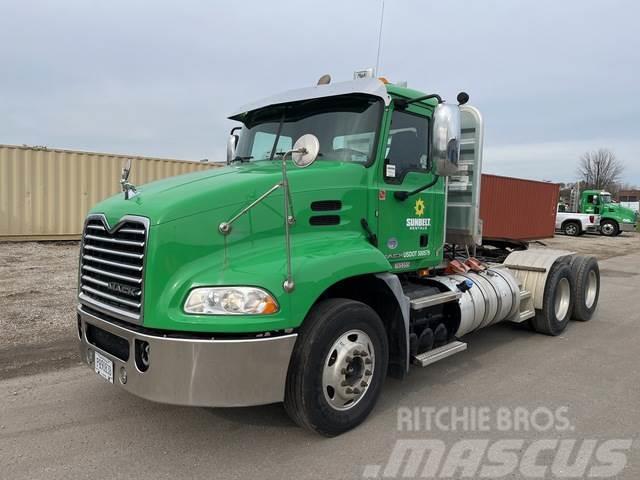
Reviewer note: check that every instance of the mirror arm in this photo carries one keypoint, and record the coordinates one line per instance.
(402, 103)
(402, 195)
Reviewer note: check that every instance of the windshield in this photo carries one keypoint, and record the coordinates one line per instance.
(605, 198)
(346, 127)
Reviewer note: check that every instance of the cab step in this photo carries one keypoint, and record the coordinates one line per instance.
(432, 356)
(431, 300)
(526, 315)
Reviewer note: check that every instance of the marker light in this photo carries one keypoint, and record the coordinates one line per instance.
(230, 301)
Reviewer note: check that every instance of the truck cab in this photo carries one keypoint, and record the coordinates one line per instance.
(335, 247)
(614, 218)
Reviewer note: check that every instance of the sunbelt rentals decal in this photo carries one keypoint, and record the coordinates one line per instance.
(419, 222)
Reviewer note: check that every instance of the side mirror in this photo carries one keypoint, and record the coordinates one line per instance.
(232, 143)
(305, 150)
(445, 147)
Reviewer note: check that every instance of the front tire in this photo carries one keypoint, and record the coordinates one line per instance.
(609, 228)
(557, 303)
(337, 367)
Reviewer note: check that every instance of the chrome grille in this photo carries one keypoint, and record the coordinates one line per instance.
(112, 266)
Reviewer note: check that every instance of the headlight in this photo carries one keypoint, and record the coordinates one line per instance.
(230, 301)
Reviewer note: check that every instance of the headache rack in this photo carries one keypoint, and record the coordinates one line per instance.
(111, 278)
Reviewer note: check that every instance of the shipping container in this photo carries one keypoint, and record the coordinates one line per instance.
(45, 193)
(517, 209)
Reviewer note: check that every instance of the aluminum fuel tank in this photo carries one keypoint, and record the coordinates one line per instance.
(494, 296)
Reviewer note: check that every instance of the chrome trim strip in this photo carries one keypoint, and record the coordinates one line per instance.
(132, 231)
(109, 310)
(110, 262)
(114, 240)
(114, 252)
(111, 297)
(95, 280)
(111, 274)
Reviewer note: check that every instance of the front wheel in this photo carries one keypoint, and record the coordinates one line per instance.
(609, 228)
(337, 368)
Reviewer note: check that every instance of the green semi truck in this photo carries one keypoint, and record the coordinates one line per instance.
(338, 246)
(614, 218)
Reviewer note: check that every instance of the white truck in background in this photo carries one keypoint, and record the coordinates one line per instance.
(576, 224)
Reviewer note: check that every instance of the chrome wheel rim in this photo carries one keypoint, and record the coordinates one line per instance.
(571, 229)
(592, 289)
(607, 229)
(348, 370)
(563, 298)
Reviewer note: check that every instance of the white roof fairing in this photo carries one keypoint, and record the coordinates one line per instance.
(367, 86)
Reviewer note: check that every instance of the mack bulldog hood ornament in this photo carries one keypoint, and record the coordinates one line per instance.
(128, 189)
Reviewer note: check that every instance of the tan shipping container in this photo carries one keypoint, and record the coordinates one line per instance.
(45, 193)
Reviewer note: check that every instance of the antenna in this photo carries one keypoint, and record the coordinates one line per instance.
(380, 39)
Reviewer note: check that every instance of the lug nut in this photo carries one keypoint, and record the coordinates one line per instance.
(356, 353)
(344, 383)
(349, 390)
(364, 353)
(368, 361)
(363, 384)
(367, 372)
(356, 391)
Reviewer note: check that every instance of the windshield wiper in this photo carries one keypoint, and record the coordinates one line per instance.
(241, 159)
(275, 143)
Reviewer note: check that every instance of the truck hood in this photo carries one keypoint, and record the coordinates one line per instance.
(219, 188)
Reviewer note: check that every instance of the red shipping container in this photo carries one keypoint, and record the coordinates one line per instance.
(517, 209)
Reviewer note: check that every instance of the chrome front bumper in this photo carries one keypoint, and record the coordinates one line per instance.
(627, 227)
(198, 372)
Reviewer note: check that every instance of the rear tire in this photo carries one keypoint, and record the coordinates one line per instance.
(571, 228)
(328, 366)
(609, 228)
(586, 283)
(557, 303)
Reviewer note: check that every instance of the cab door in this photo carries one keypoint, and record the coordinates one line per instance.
(411, 231)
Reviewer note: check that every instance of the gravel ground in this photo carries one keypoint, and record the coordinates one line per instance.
(597, 245)
(38, 282)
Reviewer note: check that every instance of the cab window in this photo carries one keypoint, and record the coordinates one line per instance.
(407, 147)
(263, 144)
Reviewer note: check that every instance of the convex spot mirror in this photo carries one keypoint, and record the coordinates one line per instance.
(445, 148)
(305, 150)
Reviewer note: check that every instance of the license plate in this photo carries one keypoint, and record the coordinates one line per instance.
(103, 367)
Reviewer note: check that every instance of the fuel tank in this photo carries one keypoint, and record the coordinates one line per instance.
(493, 296)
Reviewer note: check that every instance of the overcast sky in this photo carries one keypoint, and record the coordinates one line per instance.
(552, 78)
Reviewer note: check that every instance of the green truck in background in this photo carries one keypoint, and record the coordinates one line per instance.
(614, 218)
(339, 245)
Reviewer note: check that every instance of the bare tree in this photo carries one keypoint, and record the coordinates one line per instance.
(600, 169)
